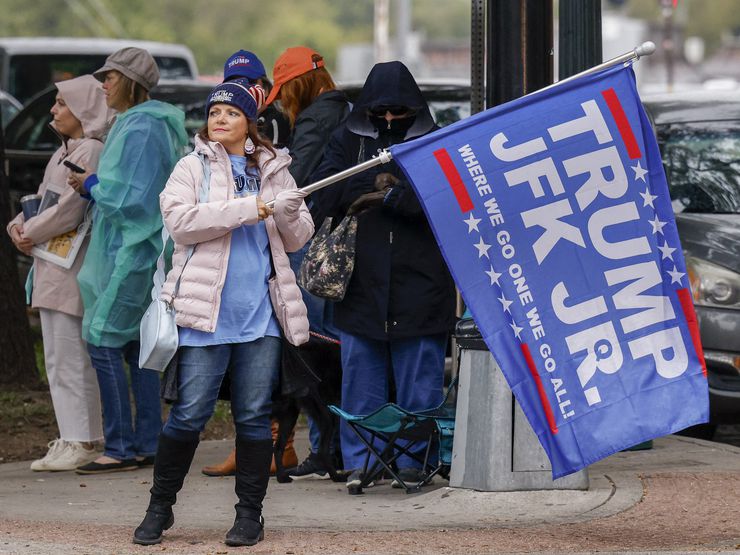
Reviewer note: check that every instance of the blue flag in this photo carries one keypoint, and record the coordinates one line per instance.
(553, 214)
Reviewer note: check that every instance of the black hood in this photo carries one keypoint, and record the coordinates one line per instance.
(390, 84)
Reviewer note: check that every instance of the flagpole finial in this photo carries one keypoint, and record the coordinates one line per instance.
(385, 156)
(645, 49)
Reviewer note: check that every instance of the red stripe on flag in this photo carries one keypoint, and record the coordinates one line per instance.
(687, 304)
(454, 179)
(615, 107)
(540, 389)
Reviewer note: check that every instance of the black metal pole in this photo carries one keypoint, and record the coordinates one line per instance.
(520, 48)
(579, 36)
(477, 56)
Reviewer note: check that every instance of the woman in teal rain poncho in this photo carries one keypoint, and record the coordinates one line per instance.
(116, 276)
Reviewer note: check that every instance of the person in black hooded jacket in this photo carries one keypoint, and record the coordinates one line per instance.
(399, 306)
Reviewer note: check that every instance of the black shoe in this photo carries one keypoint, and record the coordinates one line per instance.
(150, 530)
(354, 482)
(245, 531)
(102, 468)
(309, 468)
(145, 461)
(411, 477)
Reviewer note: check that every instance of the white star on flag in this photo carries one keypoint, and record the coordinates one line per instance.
(676, 275)
(506, 303)
(657, 225)
(494, 275)
(517, 330)
(639, 172)
(647, 198)
(666, 250)
(472, 222)
(482, 248)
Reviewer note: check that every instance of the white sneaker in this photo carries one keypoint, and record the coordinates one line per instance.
(56, 446)
(65, 455)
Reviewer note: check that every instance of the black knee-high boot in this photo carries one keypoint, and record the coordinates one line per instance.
(253, 458)
(171, 465)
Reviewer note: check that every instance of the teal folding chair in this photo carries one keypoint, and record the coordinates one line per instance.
(394, 431)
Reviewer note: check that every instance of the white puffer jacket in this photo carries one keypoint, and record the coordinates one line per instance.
(208, 225)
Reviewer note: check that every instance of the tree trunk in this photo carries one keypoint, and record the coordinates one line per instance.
(17, 359)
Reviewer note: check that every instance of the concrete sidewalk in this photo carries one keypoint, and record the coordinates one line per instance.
(76, 505)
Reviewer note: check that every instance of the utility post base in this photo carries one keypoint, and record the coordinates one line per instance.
(494, 447)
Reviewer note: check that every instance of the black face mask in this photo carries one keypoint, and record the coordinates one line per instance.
(393, 127)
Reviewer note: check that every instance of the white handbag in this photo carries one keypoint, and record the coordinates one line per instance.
(158, 335)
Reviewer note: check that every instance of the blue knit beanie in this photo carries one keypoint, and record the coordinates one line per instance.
(240, 93)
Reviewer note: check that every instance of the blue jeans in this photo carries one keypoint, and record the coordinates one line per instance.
(254, 367)
(417, 367)
(124, 437)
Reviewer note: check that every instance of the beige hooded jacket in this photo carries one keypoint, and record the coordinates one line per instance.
(54, 287)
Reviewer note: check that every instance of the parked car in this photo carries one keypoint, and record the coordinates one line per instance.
(30, 64)
(9, 107)
(699, 138)
(30, 141)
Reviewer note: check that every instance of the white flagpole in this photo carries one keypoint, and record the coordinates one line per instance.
(645, 49)
(383, 157)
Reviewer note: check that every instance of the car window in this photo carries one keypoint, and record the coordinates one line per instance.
(702, 163)
(447, 112)
(173, 68)
(8, 110)
(32, 131)
(192, 102)
(31, 73)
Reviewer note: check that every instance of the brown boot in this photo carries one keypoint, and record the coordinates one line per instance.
(290, 457)
(226, 468)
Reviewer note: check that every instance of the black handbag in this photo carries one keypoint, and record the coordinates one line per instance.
(328, 264)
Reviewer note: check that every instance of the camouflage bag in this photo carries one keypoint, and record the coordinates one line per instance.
(328, 264)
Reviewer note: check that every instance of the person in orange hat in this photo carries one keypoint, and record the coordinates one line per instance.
(315, 108)
(313, 104)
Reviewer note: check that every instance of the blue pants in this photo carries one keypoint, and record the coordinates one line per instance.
(124, 438)
(417, 367)
(255, 367)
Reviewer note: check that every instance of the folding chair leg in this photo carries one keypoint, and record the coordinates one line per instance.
(370, 475)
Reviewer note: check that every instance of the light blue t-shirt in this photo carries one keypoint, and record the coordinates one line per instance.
(246, 311)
